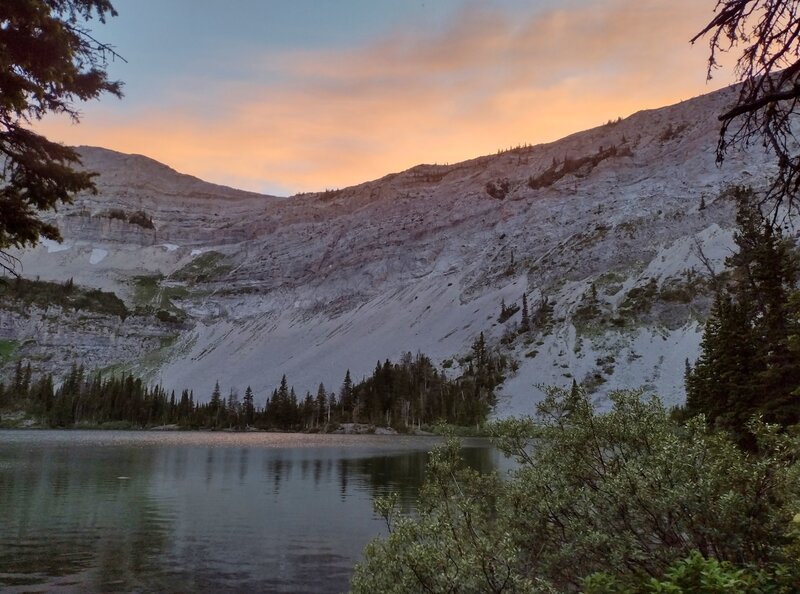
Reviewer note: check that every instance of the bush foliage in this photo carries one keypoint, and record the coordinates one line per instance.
(624, 501)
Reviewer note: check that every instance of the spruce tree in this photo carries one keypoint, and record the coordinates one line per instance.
(216, 398)
(249, 406)
(215, 406)
(49, 61)
(749, 362)
(525, 323)
(346, 396)
(16, 383)
(321, 404)
(26, 380)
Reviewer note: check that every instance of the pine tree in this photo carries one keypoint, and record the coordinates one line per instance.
(321, 404)
(525, 323)
(346, 396)
(215, 406)
(49, 61)
(308, 416)
(293, 409)
(332, 404)
(216, 398)
(749, 363)
(17, 382)
(233, 408)
(26, 381)
(249, 407)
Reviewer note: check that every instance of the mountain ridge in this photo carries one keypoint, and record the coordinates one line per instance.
(317, 283)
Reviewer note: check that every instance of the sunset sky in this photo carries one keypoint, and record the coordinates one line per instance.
(282, 97)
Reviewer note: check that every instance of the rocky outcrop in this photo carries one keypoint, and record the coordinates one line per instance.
(604, 225)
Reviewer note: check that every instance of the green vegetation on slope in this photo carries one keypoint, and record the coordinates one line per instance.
(152, 295)
(7, 348)
(205, 267)
(22, 292)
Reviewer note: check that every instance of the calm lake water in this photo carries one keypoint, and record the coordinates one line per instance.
(107, 511)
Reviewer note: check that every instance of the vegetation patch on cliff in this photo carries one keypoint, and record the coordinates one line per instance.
(22, 293)
(205, 267)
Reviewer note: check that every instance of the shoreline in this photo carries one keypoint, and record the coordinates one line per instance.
(344, 429)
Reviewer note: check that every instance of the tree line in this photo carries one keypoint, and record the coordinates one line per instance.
(409, 393)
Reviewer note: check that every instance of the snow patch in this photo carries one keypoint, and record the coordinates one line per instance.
(55, 246)
(171, 247)
(97, 256)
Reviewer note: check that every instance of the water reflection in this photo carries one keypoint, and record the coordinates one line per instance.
(63, 515)
(196, 512)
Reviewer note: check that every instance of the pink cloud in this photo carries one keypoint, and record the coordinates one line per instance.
(484, 82)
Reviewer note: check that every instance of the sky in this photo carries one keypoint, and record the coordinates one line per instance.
(287, 96)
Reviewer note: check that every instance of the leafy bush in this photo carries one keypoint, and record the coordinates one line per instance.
(170, 317)
(498, 189)
(697, 574)
(672, 132)
(142, 219)
(329, 195)
(506, 312)
(629, 493)
(640, 299)
(139, 217)
(115, 213)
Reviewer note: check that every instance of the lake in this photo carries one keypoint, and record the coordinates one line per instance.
(116, 511)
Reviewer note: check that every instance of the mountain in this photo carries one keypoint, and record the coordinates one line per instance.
(617, 227)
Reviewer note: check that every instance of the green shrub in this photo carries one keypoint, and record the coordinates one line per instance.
(498, 189)
(142, 219)
(697, 574)
(629, 493)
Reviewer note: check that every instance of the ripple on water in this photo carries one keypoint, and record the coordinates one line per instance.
(98, 511)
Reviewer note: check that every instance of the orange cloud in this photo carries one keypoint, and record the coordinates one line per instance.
(485, 82)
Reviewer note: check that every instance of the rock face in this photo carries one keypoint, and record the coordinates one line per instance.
(605, 225)
(53, 339)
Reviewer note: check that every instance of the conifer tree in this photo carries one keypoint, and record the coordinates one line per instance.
(215, 405)
(320, 404)
(26, 380)
(525, 323)
(749, 362)
(16, 383)
(346, 396)
(49, 61)
(332, 404)
(216, 398)
(249, 406)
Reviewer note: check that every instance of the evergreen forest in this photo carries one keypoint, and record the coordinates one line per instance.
(410, 393)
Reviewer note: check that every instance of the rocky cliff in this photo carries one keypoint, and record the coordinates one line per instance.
(615, 230)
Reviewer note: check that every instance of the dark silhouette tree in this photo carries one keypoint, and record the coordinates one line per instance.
(248, 406)
(346, 398)
(764, 36)
(49, 61)
(525, 323)
(750, 361)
